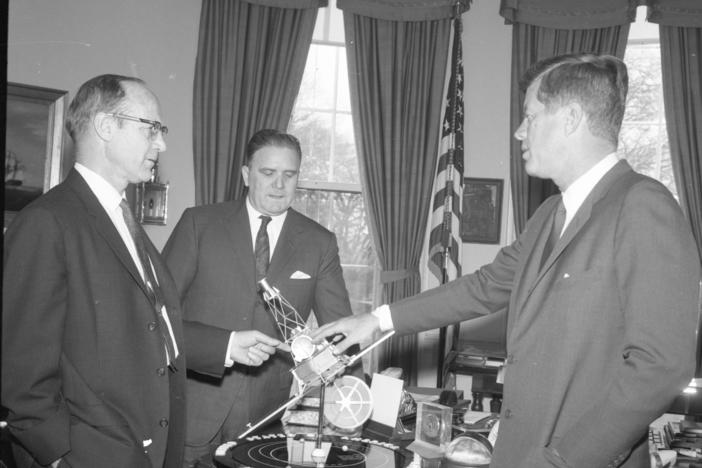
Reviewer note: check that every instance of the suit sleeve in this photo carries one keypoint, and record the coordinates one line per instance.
(34, 315)
(331, 299)
(205, 345)
(658, 272)
(480, 293)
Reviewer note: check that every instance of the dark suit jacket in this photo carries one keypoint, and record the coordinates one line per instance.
(600, 340)
(83, 370)
(210, 254)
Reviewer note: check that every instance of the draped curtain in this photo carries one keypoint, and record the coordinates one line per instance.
(680, 24)
(397, 54)
(250, 59)
(545, 28)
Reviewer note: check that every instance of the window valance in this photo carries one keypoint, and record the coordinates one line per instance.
(404, 10)
(569, 14)
(296, 4)
(680, 13)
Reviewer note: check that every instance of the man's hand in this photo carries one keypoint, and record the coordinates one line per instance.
(252, 348)
(355, 329)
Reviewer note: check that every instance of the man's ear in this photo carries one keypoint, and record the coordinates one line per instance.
(104, 125)
(245, 174)
(574, 117)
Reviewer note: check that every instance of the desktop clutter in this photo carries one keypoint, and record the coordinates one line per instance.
(334, 420)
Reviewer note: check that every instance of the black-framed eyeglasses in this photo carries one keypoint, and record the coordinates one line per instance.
(156, 126)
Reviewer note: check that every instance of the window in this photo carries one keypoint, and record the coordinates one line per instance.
(643, 140)
(329, 189)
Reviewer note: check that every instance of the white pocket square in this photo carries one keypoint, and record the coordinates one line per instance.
(299, 275)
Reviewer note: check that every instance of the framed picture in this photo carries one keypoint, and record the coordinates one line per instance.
(482, 210)
(33, 144)
(152, 203)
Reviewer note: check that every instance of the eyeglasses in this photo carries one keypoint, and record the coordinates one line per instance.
(156, 126)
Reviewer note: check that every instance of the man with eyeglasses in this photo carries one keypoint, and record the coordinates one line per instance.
(93, 367)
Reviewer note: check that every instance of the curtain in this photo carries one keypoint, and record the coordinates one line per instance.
(250, 60)
(680, 24)
(396, 75)
(542, 29)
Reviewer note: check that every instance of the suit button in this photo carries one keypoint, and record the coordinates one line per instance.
(151, 326)
(163, 422)
(508, 413)
(161, 371)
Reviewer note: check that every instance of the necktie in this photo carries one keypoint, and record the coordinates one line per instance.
(556, 228)
(152, 287)
(262, 250)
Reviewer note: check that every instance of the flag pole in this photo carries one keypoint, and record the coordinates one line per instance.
(449, 199)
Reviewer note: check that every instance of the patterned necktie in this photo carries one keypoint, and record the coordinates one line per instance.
(155, 294)
(262, 250)
(556, 228)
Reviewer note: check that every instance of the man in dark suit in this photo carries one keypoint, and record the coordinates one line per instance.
(601, 326)
(93, 368)
(211, 255)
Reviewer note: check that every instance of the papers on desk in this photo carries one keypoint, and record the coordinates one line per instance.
(472, 417)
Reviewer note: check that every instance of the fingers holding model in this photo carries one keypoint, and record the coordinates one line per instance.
(355, 329)
(251, 347)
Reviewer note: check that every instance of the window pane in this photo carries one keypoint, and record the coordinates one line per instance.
(336, 24)
(318, 81)
(343, 214)
(644, 140)
(321, 25)
(343, 101)
(313, 129)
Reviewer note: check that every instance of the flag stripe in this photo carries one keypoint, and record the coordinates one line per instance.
(444, 238)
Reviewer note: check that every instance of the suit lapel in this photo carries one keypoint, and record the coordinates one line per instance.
(241, 245)
(103, 225)
(285, 247)
(574, 227)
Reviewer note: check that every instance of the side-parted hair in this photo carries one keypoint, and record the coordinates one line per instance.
(271, 137)
(103, 93)
(599, 83)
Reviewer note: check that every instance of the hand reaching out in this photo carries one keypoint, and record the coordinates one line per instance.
(252, 348)
(355, 329)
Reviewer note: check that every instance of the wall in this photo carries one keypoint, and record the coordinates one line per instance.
(62, 43)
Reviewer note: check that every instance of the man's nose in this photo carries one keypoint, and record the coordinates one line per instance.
(160, 142)
(279, 182)
(520, 133)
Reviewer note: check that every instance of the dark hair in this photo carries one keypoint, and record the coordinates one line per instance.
(599, 83)
(103, 93)
(271, 137)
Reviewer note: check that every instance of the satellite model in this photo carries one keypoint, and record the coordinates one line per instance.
(348, 399)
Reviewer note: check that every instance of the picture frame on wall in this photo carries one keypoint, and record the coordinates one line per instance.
(481, 216)
(33, 144)
(152, 203)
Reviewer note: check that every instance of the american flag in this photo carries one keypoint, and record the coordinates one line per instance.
(444, 238)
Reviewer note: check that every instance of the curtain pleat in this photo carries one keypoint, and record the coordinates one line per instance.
(248, 71)
(529, 45)
(681, 60)
(396, 75)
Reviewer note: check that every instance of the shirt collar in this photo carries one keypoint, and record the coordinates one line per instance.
(106, 194)
(254, 215)
(577, 192)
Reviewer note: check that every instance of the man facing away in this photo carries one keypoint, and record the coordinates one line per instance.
(219, 252)
(602, 314)
(93, 358)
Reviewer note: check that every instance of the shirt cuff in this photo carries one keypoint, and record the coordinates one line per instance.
(228, 361)
(382, 313)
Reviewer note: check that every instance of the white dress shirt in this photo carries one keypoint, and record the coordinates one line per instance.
(274, 226)
(110, 199)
